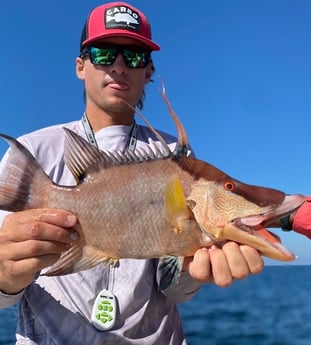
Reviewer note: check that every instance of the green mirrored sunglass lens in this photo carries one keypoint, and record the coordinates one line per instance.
(134, 59)
(104, 56)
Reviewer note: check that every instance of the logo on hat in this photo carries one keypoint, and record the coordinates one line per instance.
(122, 17)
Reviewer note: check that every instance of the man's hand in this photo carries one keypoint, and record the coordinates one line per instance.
(223, 265)
(30, 241)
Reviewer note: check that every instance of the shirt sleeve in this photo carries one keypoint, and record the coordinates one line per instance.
(7, 301)
(184, 290)
(302, 219)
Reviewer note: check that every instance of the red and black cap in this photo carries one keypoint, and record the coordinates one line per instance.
(117, 19)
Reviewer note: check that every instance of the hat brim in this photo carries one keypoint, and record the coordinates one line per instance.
(145, 41)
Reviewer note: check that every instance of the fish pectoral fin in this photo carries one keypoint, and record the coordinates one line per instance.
(176, 206)
(169, 270)
(78, 258)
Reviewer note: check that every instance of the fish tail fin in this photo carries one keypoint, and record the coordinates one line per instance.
(22, 179)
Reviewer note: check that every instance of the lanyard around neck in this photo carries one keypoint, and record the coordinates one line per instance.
(92, 140)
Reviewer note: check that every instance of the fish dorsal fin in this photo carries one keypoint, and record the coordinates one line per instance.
(182, 146)
(79, 155)
(166, 151)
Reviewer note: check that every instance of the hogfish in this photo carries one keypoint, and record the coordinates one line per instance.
(150, 203)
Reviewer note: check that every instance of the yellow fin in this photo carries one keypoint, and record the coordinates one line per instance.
(175, 203)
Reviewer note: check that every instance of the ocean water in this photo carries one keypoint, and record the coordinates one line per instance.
(272, 308)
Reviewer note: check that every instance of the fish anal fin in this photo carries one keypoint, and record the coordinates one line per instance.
(79, 258)
(176, 206)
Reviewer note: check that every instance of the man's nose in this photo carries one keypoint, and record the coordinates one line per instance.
(119, 66)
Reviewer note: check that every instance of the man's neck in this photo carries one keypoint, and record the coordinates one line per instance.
(99, 119)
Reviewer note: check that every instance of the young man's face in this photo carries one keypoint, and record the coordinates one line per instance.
(108, 86)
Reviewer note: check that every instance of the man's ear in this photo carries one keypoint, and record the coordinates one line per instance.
(148, 73)
(80, 68)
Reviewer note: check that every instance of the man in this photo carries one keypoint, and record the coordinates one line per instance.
(299, 221)
(115, 65)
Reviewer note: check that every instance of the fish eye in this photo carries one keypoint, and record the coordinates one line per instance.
(229, 185)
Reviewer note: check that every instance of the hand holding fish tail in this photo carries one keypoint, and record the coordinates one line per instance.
(223, 265)
(30, 241)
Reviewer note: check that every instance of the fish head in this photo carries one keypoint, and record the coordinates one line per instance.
(227, 209)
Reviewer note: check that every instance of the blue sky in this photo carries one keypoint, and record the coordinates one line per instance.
(237, 72)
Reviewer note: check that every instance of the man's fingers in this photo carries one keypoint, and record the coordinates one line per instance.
(46, 225)
(200, 266)
(253, 258)
(46, 215)
(220, 267)
(32, 248)
(237, 263)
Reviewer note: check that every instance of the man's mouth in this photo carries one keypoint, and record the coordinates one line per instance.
(120, 86)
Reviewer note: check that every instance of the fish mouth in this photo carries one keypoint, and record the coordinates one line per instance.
(251, 230)
(289, 205)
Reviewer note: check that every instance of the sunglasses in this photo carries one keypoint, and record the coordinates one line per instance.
(134, 57)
